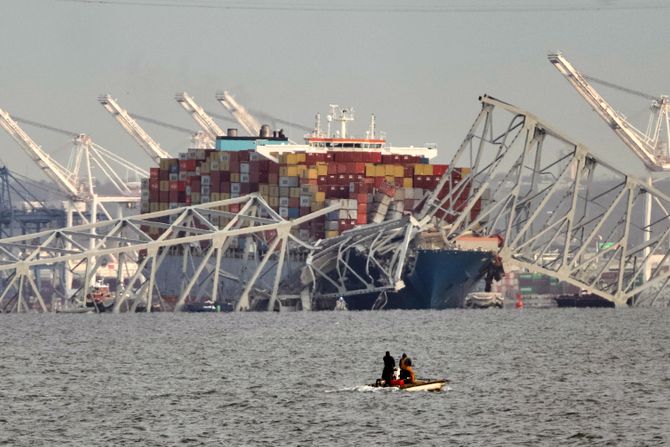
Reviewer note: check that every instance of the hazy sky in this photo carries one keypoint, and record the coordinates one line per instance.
(418, 65)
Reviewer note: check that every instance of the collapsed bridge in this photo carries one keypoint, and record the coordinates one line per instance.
(537, 190)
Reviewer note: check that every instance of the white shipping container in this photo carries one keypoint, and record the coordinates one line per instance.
(377, 218)
(283, 201)
(244, 168)
(205, 180)
(283, 212)
(244, 178)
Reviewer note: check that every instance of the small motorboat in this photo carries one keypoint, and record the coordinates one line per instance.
(434, 385)
(484, 300)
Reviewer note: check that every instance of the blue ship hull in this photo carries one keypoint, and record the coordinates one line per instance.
(440, 279)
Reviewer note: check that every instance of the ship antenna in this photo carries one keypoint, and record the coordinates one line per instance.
(317, 125)
(330, 116)
(372, 127)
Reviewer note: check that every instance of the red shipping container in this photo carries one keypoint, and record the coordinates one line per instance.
(187, 165)
(234, 208)
(215, 187)
(361, 219)
(243, 156)
(245, 188)
(174, 196)
(273, 178)
(225, 187)
(362, 198)
(379, 181)
(304, 210)
(164, 196)
(154, 185)
(154, 195)
(215, 177)
(332, 168)
(294, 202)
(154, 173)
(408, 171)
(440, 169)
(374, 157)
(164, 175)
(362, 208)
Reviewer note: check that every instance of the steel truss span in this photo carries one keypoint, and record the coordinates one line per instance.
(562, 211)
(202, 238)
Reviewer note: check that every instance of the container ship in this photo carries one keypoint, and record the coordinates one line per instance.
(371, 181)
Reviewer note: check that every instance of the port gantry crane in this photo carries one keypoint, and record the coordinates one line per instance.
(651, 146)
(648, 146)
(77, 180)
(208, 125)
(150, 146)
(244, 118)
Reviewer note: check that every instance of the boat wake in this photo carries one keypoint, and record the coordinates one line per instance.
(364, 389)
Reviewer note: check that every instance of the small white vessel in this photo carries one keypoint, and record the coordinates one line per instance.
(484, 300)
(341, 304)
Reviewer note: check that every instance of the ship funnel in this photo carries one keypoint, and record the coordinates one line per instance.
(232, 132)
(265, 131)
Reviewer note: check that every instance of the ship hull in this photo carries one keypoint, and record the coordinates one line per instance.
(441, 279)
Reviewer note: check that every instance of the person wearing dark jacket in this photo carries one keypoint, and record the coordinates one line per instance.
(389, 364)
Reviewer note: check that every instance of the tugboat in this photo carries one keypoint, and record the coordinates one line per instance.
(99, 298)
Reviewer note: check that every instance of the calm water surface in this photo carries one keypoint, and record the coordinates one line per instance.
(530, 377)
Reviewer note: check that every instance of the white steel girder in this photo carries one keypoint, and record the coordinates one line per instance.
(202, 234)
(562, 211)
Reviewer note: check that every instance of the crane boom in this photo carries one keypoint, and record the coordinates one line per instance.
(208, 125)
(644, 146)
(244, 118)
(151, 147)
(56, 172)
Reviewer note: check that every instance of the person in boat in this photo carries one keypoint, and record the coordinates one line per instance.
(389, 364)
(403, 357)
(406, 371)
